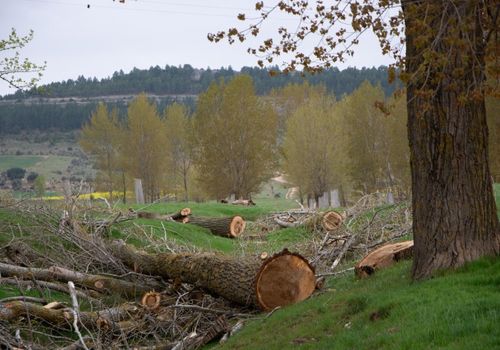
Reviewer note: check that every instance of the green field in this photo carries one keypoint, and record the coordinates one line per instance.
(7, 162)
(49, 166)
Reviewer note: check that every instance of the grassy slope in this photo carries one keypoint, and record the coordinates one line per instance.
(459, 310)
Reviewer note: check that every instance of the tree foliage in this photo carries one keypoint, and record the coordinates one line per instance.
(235, 137)
(145, 146)
(15, 173)
(100, 138)
(178, 126)
(13, 68)
(311, 147)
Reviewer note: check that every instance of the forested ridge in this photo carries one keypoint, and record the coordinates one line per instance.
(67, 105)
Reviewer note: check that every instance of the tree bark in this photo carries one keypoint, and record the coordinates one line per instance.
(454, 214)
(230, 227)
(280, 280)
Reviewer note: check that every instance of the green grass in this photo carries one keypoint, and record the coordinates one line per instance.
(50, 165)
(457, 310)
(7, 162)
(213, 209)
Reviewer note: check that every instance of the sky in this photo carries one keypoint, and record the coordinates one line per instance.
(75, 39)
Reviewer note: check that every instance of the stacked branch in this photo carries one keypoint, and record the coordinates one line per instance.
(97, 283)
(229, 227)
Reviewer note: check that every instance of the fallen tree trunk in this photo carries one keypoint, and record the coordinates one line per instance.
(280, 280)
(102, 284)
(383, 257)
(230, 227)
(327, 221)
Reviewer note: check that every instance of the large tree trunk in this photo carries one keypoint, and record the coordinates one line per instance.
(280, 280)
(454, 215)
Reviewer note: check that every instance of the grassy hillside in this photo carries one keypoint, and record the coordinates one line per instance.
(457, 310)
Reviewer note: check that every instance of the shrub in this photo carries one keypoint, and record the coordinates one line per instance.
(15, 173)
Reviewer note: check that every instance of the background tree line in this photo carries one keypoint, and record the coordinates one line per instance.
(74, 104)
(234, 140)
(173, 80)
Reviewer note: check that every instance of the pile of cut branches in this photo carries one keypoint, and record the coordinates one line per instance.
(92, 291)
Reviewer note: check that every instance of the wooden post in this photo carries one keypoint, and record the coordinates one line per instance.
(139, 194)
(335, 199)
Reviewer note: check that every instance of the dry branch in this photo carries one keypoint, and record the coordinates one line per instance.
(101, 284)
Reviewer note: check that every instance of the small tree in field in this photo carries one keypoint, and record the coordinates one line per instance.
(39, 186)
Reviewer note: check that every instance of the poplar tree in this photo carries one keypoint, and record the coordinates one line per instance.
(179, 129)
(311, 147)
(146, 149)
(235, 138)
(100, 138)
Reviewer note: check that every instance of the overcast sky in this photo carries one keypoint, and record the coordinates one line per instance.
(109, 36)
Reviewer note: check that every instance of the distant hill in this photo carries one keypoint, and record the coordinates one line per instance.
(66, 105)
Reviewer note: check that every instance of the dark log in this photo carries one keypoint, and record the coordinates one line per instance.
(383, 257)
(102, 284)
(230, 227)
(280, 280)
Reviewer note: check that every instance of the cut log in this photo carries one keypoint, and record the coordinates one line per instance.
(243, 202)
(179, 216)
(280, 280)
(331, 221)
(151, 300)
(383, 257)
(230, 227)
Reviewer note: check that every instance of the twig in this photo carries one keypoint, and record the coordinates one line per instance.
(24, 298)
(75, 312)
(346, 246)
(206, 309)
(335, 273)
